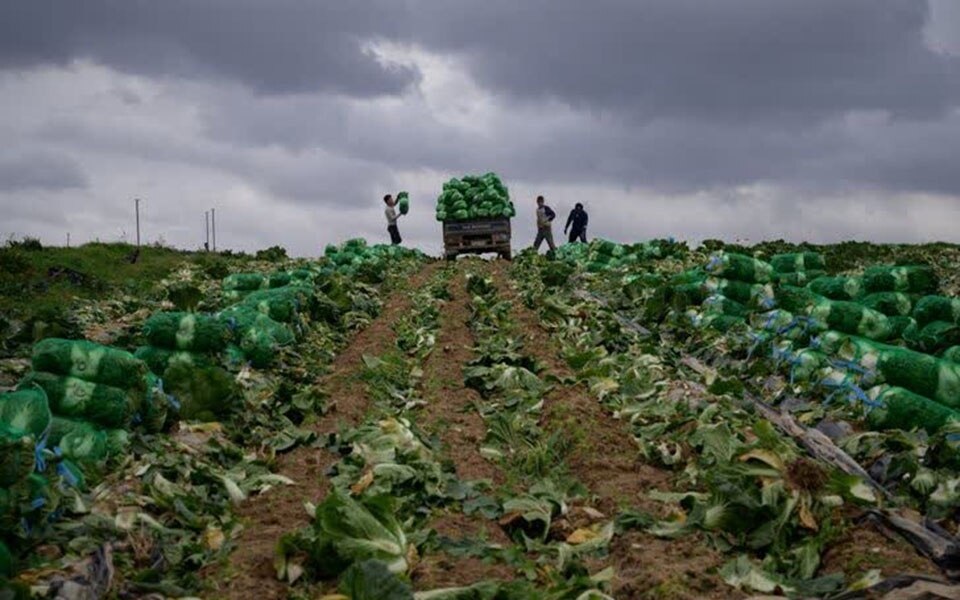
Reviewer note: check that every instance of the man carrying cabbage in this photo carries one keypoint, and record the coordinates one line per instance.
(392, 216)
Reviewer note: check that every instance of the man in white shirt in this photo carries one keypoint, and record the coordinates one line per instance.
(392, 217)
(545, 217)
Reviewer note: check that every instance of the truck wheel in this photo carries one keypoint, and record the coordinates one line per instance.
(450, 257)
(505, 255)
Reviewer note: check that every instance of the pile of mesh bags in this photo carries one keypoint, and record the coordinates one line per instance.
(601, 255)
(735, 286)
(183, 351)
(239, 285)
(474, 197)
(96, 394)
(32, 477)
(797, 268)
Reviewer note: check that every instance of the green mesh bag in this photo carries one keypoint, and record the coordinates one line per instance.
(797, 278)
(233, 296)
(937, 308)
(951, 354)
(797, 300)
(723, 323)
(90, 362)
(900, 325)
(84, 442)
(935, 337)
(403, 202)
(920, 373)
(281, 304)
(837, 288)
(806, 363)
(738, 267)
(193, 332)
(772, 320)
(246, 282)
(78, 399)
(676, 297)
(721, 305)
(26, 411)
(892, 304)
(829, 342)
(752, 295)
(279, 279)
(852, 318)
(902, 409)
(916, 279)
(798, 262)
(158, 359)
(78, 440)
(258, 336)
(833, 378)
(17, 455)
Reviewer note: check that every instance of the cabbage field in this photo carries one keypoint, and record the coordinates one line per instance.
(614, 420)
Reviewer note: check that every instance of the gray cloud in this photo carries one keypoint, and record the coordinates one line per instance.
(40, 171)
(281, 46)
(747, 118)
(741, 60)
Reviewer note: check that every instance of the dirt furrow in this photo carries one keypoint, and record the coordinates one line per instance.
(250, 572)
(604, 457)
(451, 416)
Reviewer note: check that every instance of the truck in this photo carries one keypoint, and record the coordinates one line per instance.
(477, 236)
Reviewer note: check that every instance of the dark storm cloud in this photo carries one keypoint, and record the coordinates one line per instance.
(761, 118)
(746, 60)
(279, 46)
(40, 171)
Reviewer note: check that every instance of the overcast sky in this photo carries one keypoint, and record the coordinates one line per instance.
(814, 120)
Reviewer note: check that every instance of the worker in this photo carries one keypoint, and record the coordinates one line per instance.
(577, 224)
(392, 217)
(545, 217)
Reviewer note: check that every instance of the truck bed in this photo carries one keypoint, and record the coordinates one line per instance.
(477, 236)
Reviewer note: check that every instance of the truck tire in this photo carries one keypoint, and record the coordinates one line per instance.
(505, 255)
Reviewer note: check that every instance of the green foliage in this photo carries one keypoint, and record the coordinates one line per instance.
(272, 254)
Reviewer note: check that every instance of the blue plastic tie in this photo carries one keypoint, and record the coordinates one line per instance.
(67, 475)
(38, 502)
(40, 463)
(756, 344)
(859, 394)
(713, 262)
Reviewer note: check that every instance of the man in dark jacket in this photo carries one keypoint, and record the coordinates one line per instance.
(577, 224)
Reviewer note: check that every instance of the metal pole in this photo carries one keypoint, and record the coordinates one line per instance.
(213, 227)
(206, 217)
(137, 203)
(68, 239)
